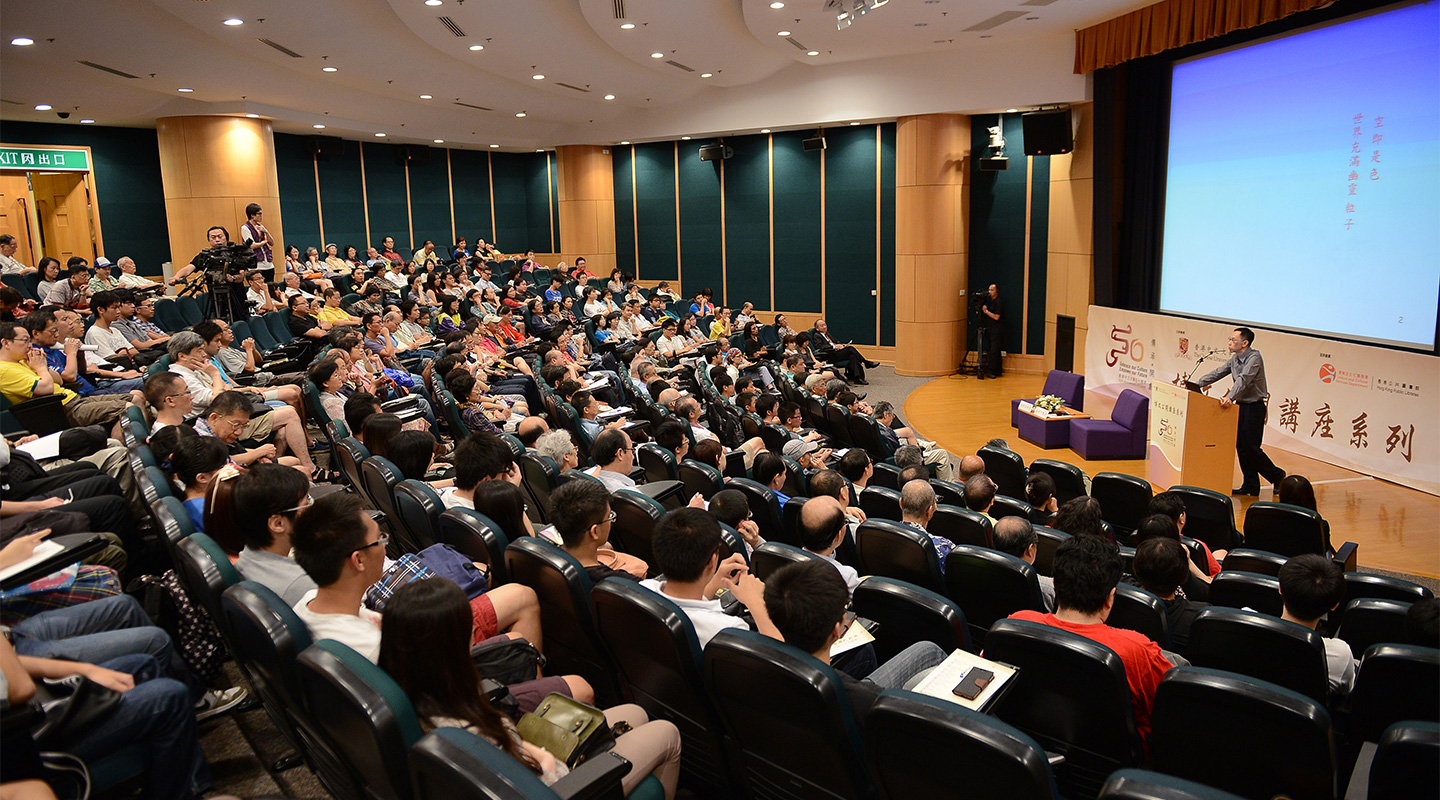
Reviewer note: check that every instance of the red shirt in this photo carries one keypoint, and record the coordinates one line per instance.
(1144, 664)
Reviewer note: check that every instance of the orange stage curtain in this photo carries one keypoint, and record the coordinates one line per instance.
(1173, 23)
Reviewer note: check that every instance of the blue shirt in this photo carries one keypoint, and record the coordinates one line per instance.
(196, 507)
(55, 359)
(943, 546)
(553, 294)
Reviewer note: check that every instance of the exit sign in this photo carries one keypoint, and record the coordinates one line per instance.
(44, 158)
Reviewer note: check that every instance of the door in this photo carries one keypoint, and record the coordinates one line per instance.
(17, 214)
(63, 205)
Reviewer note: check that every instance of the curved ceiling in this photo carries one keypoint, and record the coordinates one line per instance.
(360, 67)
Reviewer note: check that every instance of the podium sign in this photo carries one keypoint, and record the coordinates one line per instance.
(1192, 439)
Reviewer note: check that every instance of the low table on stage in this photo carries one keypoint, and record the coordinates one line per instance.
(1049, 431)
(1192, 439)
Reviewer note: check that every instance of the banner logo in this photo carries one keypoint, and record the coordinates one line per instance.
(1327, 373)
(1131, 347)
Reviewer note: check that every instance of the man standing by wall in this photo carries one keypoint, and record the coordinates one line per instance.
(1250, 393)
(992, 330)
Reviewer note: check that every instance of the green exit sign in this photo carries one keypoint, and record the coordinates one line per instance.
(44, 158)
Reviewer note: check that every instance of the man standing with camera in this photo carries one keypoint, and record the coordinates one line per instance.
(222, 272)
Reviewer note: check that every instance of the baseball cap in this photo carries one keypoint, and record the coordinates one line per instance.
(795, 448)
(102, 261)
(490, 319)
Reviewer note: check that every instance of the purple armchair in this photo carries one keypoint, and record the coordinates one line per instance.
(1121, 436)
(1066, 385)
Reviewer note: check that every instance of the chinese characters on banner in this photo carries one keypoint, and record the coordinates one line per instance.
(1368, 409)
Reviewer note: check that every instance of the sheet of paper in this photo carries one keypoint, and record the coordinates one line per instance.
(853, 638)
(43, 551)
(941, 681)
(614, 412)
(43, 448)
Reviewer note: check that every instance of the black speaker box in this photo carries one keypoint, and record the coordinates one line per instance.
(1047, 133)
(716, 152)
(1064, 343)
(993, 164)
(813, 143)
(413, 154)
(325, 148)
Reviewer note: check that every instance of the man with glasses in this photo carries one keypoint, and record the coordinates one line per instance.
(46, 334)
(614, 455)
(25, 375)
(582, 516)
(266, 500)
(134, 323)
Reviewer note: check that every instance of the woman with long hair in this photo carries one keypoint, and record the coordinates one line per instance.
(1297, 491)
(504, 503)
(449, 315)
(1081, 517)
(377, 432)
(425, 648)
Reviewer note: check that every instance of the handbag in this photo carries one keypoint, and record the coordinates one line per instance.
(507, 661)
(407, 568)
(447, 562)
(569, 729)
(73, 706)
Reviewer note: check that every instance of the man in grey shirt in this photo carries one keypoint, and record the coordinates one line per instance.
(1249, 392)
(267, 497)
(615, 455)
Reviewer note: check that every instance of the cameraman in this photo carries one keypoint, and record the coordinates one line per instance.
(219, 241)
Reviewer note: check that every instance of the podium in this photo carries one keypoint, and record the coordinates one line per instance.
(1192, 439)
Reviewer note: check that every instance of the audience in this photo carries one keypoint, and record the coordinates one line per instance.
(1161, 567)
(581, 514)
(1312, 586)
(822, 529)
(917, 507)
(1016, 536)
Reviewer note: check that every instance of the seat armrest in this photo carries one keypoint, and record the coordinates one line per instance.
(596, 779)
(1348, 556)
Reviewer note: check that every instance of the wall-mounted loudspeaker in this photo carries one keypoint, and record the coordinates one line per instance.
(412, 154)
(1047, 133)
(993, 164)
(716, 152)
(814, 143)
(325, 148)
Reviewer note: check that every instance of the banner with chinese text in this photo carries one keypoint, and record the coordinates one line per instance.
(1368, 409)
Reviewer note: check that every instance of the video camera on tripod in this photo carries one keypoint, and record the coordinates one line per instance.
(217, 265)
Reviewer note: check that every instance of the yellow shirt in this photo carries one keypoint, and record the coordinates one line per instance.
(719, 330)
(422, 258)
(332, 315)
(17, 383)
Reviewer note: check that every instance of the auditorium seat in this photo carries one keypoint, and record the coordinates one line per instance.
(764, 507)
(1381, 587)
(1260, 646)
(658, 463)
(962, 526)
(908, 614)
(880, 502)
(789, 716)
(921, 747)
(1072, 697)
(1407, 762)
(1210, 518)
(894, 550)
(538, 477)
(1068, 386)
(349, 454)
(1049, 540)
(1141, 784)
(989, 586)
(1394, 682)
(771, 556)
(453, 763)
(700, 478)
(1123, 500)
(948, 493)
(1069, 479)
(1249, 559)
(1273, 741)
(1010, 507)
(205, 571)
(886, 476)
(380, 477)
(1005, 467)
(417, 512)
(1121, 436)
(1281, 528)
(1235, 589)
(1369, 621)
(1140, 611)
(634, 526)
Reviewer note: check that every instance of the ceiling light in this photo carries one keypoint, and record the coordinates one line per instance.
(494, 145)
(329, 69)
(1011, 110)
(520, 113)
(439, 141)
(705, 74)
(764, 130)
(539, 150)
(252, 116)
(609, 97)
(854, 123)
(187, 91)
(627, 26)
(86, 121)
(232, 22)
(782, 33)
(434, 2)
(777, 5)
(424, 97)
(537, 77)
(684, 138)
(657, 55)
(43, 107)
(317, 126)
(477, 47)
(813, 53)
(381, 135)
(624, 143)
(21, 41)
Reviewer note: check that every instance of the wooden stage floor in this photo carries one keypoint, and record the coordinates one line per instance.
(1397, 528)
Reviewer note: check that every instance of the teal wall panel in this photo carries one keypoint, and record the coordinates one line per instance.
(850, 232)
(342, 200)
(655, 212)
(621, 161)
(295, 169)
(747, 222)
(887, 234)
(512, 223)
(385, 188)
(997, 224)
(127, 182)
(701, 234)
(470, 176)
(538, 222)
(1039, 254)
(429, 201)
(554, 204)
(797, 223)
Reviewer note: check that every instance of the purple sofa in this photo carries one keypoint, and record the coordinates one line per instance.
(1121, 436)
(1066, 385)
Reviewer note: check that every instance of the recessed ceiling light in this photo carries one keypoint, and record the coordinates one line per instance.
(317, 126)
(494, 145)
(609, 97)
(424, 97)
(685, 138)
(329, 69)
(777, 5)
(187, 91)
(520, 113)
(782, 33)
(476, 47)
(86, 121)
(657, 55)
(627, 26)
(439, 141)
(624, 143)
(252, 116)
(813, 53)
(854, 123)
(232, 22)
(537, 76)
(705, 74)
(539, 149)
(381, 135)
(764, 130)
(43, 107)
(22, 41)
(1011, 110)
(434, 2)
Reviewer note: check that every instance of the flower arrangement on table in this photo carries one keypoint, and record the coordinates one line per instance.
(1049, 403)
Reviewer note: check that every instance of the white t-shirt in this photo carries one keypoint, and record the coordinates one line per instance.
(614, 481)
(1340, 661)
(450, 499)
(109, 341)
(705, 615)
(361, 633)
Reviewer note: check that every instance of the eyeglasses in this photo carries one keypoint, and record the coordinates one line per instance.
(382, 541)
(611, 517)
(178, 394)
(297, 509)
